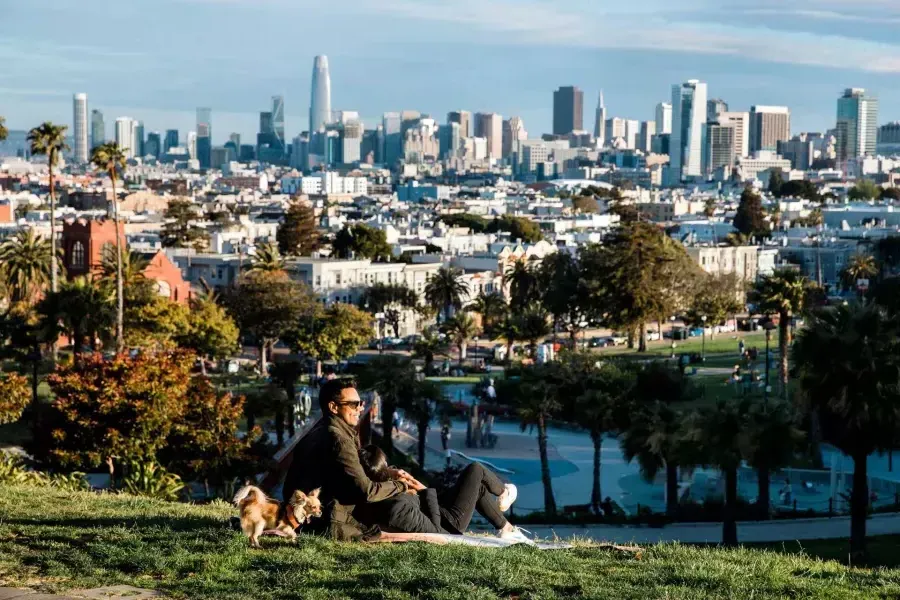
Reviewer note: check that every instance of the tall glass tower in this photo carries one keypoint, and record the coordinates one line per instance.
(80, 129)
(204, 137)
(320, 100)
(688, 119)
(278, 119)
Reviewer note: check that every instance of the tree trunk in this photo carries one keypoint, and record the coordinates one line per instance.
(251, 419)
(388, 408)
(423, 431)
(202, 365)
(279, 423)
(54, 267)
(784, 342)
(763, 496)
(630, 338)
(289, 415)
(671, 488)
(642, 338)
(263, 367)
(462, 353)
(729, 525)
(596, 496)
(111, 466)
(120, 293)
(549, 502)
(859, 504)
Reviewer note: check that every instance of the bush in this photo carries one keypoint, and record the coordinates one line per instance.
(152, 481)
(14, 471)
(14, 397)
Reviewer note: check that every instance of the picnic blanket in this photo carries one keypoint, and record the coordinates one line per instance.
(465, 540)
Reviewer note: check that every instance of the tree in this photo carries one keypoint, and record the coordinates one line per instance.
(522, 278)
(425, 348)
(585, 204)
(156, 323)
(750, 219)
(800, 188)
(425, 401)
(361, 241)
(210, 332)
(81, 308)
(4, 132)
(532, 325)
(886, 294)
(784, 293)
(716, 298)
(563, 291)
(120, 410)
(298, 234)
(865, 189)
(891, 194)
(13, 397)
(50, 140)
(445, 290)
(519, 228)
(709, 208)
(286, 373)
(776, 181)
(536, 404)
(111, 159)
(179, 230)
(267, 259)
(392, 378)
(847, 360)
(510, 332)
(492, 307)
(20, 339)
(461, 329)
(266, 305)
(391, 299)
(136, 287)
(25, 265)
(473, 222)
(332, 333)
(771, 439)
(860, 266)
(887, 250)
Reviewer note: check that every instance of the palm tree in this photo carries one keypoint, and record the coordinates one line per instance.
(492, 308)
(536, 405)
(596, 410)
(391, 377)
(771, 441)
(847, 359)
(445, 290)
(461, 328)
(80, 309)
(425, 348)
(50, 140)
(111, 159)
(390, 299)
(521, 277)
(25, 265)
(424, 401)
(267, 259)
(4, 132)
(784, 293)
(510, 333)
(533, 324)
(860, 266)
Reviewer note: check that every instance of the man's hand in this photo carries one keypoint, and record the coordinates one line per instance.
(409, 480)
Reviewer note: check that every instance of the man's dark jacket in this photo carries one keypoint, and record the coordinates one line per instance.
(327, 457)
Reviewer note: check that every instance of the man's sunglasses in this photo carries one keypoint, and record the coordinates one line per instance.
(351, 403)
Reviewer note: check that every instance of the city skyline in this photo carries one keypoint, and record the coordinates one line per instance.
(831, 50)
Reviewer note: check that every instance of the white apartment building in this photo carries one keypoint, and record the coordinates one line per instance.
(325, 182)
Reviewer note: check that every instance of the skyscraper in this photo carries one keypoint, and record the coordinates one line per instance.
(663, 118)
(80, 128)
(727, 139)
(153, 146)
(513, 134)
(615, 128)
(600, 122)
(98, 129)
(351, 141)
(645, 139)
(464, 118)
(278, 120)
(632, 133)
(192, 144)
(741, 123)
(391, 124)
(125, 135)
(688, 120)
(714, 107)
(320, 98)
(768, 126)
(568, 110)
(490, 127)
(857, 124)
(171, 139)
(450, 140)
(204, 137)
(137, 138)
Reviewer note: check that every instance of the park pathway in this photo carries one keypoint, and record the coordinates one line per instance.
(109, 592)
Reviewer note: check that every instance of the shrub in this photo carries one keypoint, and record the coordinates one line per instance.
(14, 396)
(153, 481)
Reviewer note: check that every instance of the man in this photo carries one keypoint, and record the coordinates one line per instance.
(328, 457)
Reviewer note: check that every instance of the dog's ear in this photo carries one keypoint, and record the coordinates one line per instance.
(315, 493)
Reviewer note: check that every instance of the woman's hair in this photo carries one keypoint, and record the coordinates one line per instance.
(374, 463)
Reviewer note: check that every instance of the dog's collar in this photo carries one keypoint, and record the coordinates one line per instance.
(289, 516)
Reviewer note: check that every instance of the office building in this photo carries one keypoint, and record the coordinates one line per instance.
(632, 133)
(464, 119)
(600, 122)
(663, 118)
(192, 144)
(615, 128)
(645, 139)
(278, 121)
(450, 140)
(80, 128)
(171, 139)
(98, 129)
(138, 138)
(714, 107)
(568, 110)
(490, 127)
(320, 97)
(153, 145)
(513, 134)
(351, 141)
(235, 140)
(688, 125)
(203, 153)
(125, 135)
(800, 150)
(741, 123)
(391, 125)
(720, 148)
(857, 124)
(768, 126)
(888, 141)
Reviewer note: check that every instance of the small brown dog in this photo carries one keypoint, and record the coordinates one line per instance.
(259, 513)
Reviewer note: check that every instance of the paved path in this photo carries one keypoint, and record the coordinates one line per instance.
(110, 592)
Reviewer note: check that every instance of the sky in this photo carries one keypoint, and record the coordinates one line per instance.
(157, 60)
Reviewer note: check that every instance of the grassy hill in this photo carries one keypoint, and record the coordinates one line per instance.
(56, 540)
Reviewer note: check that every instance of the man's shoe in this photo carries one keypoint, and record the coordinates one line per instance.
(516, 536)
(509, 495)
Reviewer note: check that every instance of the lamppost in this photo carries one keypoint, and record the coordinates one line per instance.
(672, 333)
(768, 325)
(380, 317)
(703, 343)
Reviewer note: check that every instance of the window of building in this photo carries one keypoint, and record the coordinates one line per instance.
(163, 289)
(318, 281)
(337, 278)
(219, 273)
(78, 254)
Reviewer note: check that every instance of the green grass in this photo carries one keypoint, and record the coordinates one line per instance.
(723, 343)
(463, 379)
(54, 541)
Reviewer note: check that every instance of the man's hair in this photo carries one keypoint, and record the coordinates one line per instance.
(332, 390)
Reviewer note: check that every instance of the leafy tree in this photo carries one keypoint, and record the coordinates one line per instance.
(886, 294)
(80, 309)
(361, 241)
(860, 266)
(784, 293)
(709, 208)
(537, 403)
(800, 188)
(13, 397)
(267, 259)
(426, 348)
(891, 194)
(563, 291)
(157, 323)
(137, 288)
(771, 439)
(461, 329)
(179, 230)
(392, 378)
(298, 234)
(332, 333)
(887, 250)
(715, 299)
(445, 290)
(736, 238)
(847, 360)
(25, 265)
(4, 132)
(519, 228)
(475, 223)
(119, 410)
(776, 182)
(50, 140)
(815, 218)
(20, 340)
(522, 278)
(532, 325)
(210, 332)
(492, 308)
(585, 204)
(266, 305)
(111, 159)
(750, 219)
(865, 189)
(391, 299)
(510, 332)
(425, 401)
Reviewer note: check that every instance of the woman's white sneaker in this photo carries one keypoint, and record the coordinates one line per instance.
(509, 495)
(516, 536)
